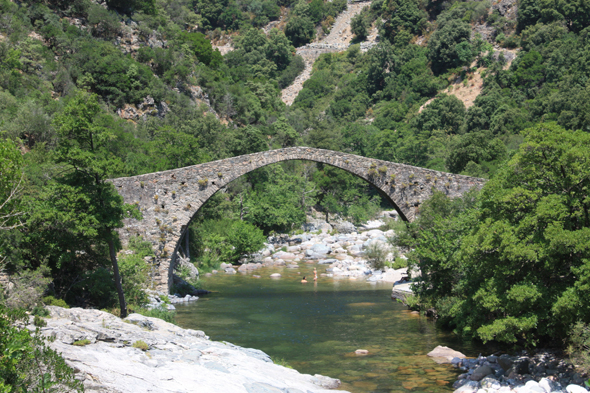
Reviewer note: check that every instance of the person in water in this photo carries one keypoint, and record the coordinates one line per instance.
(304, 280)
(315, 274)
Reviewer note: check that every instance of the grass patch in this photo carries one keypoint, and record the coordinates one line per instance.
(81, 343)
(140, 344)
(281, 362)
(165, 315)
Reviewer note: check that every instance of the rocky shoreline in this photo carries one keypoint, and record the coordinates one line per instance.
(141, 354)
(340, 255)
(541, 372)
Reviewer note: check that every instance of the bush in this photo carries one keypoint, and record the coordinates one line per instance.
(140, 344)
(28, 288)
(376, 255)
(31, 366)
(39, 322)
(40, 311)
(295, 67)
(52, 301)
(579, 346)
(134, 278)
(158, 312)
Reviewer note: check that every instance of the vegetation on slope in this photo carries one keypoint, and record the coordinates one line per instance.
(162, 97)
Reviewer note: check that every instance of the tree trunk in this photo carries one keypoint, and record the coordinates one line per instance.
(113, 255)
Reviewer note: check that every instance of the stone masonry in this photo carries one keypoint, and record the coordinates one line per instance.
(168, 200)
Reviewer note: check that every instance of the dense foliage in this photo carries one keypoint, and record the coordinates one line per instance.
(27, 363)
(89, 92)
(512, 266)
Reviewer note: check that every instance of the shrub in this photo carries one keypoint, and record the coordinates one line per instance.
(40, 311)
(31, 365)
(376, 254)
(383, 169)
(81, 343)
(39, 322)
(158, 312)
(27, 289)
(140, 344)
(203, 182)
(579, 346)
(295, 67)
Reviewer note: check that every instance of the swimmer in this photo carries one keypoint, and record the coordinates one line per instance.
(315, 274)
(304, 280)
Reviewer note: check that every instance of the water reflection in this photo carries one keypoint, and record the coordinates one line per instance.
(318, 326)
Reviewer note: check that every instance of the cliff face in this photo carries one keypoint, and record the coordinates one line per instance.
(172, 360)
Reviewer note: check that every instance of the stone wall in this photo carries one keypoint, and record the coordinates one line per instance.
(168, 200)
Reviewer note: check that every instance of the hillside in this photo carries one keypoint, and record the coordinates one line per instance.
(93, 91)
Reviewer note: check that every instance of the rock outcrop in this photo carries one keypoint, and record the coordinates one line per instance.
(141, 354)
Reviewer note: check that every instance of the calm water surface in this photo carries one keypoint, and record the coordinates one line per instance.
(316, 327)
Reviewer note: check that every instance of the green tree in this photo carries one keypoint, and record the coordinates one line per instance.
(403, 15)
(515, 267)
(359, 27)
(11, 185)
(245, 238)
(300, 30)
(446, 48)
(84, 201)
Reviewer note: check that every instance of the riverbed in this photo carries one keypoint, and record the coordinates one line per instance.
(318, 326)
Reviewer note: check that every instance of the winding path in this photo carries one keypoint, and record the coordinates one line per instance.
(337, 41)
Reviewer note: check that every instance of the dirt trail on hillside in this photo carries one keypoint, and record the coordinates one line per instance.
(337, 41)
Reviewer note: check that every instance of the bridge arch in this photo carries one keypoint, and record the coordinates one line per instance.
(168, 200)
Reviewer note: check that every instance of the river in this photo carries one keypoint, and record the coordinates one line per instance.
(316, 327)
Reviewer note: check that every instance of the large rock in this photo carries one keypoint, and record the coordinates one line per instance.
(320, 248)
(575, 389)
(506, 362)
(442, 354)
(179, 360)
(481, 372)
(344, 227)
(185, 265)
(468, 387)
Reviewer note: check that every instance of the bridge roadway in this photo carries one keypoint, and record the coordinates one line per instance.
(168, 200)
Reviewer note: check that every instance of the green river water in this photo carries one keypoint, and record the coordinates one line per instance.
(316, 327)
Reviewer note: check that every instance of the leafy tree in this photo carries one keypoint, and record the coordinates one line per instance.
(359, 27)
(403, 15)
(202, 49)
(245, 238)
(300, 30)
(148, 7)
(514, 267)
(446, 113)
(279, 50)
(280, 203)
(211, 11)
(574, 13)
(86, 204)
(447, 44)
(475, 147)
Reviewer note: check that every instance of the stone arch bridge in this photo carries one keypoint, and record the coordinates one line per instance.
(168, 200)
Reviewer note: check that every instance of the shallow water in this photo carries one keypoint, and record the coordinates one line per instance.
(316, 327)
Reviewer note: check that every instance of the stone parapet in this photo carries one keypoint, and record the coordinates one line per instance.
(168, 200)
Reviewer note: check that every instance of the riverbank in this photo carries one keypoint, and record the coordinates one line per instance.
(540, 372)
(341, 253)
(141, 354)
